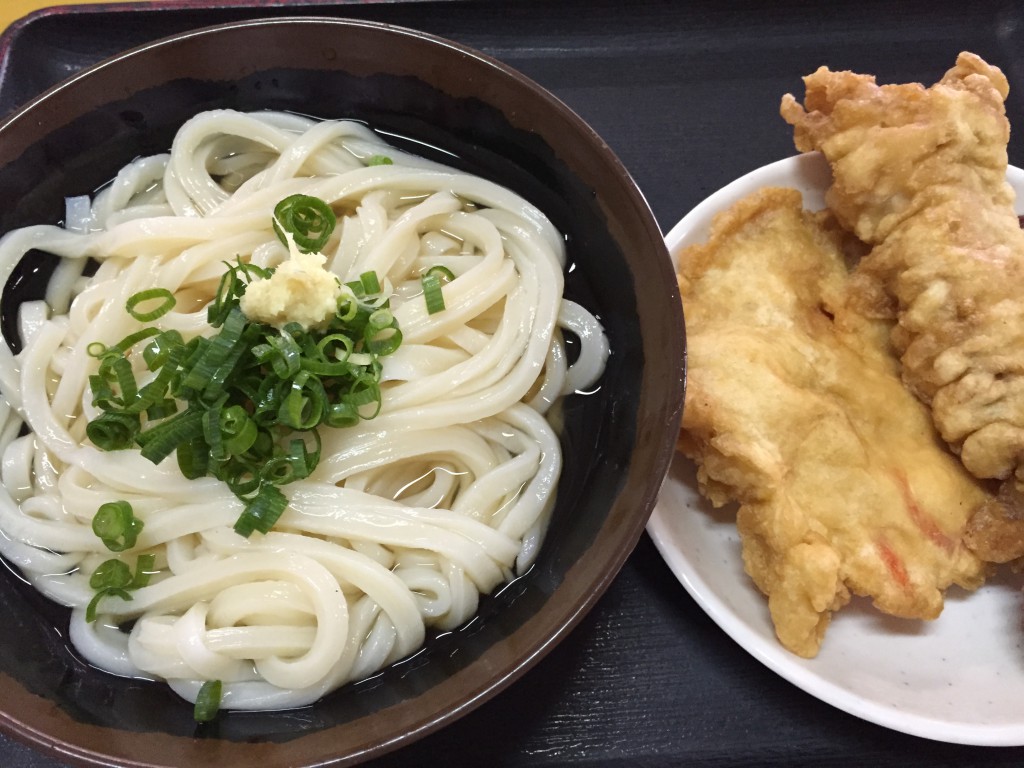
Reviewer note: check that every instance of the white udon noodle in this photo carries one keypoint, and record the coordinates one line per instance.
(409, 517)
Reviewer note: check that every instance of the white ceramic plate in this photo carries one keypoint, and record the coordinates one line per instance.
(958, 679)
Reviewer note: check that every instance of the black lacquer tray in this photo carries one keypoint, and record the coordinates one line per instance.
(687, 95)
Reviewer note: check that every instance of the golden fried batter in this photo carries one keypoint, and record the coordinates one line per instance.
(795, 409)
(920, 175)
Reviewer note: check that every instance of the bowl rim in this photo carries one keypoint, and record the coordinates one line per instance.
(41, 724)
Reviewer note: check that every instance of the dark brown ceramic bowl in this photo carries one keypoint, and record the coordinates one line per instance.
(427, 93)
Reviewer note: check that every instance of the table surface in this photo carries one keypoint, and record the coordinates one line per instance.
(687, 94)
(12, 10)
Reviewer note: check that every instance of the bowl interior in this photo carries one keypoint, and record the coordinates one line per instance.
(452, 105)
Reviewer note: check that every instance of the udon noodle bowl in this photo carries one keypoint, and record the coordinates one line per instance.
(408, 518)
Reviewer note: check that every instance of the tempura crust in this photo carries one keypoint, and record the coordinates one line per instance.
(795, 409)
(887, 144)
(920, 174)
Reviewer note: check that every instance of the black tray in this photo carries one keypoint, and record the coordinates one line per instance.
(687, 94)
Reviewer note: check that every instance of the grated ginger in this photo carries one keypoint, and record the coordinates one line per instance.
(300, 291)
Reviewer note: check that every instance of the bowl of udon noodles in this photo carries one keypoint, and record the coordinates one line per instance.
(342, 367)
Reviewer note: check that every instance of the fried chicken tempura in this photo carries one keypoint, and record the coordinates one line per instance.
(920, 175)
(795, 409)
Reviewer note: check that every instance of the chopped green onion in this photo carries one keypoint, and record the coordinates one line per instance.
(113, 431)
(378, 320)
(102, 393)
(159, 350)
(244, 403)
(243, 481)
(131, 340)
(99, 350)
(116, 526)
(121, 370)
(113, 578)
(238, 430)
(370, 283)
(111, 574)
(162, 440)
(382, 333)
(91, 609)
(208, 701)
(432, 280)
(212, 354)
(223, 299)
(432, 293)
(338, 346)
(308, 220)
(380, 160)
(342, 415)
(166, 305)
(162, 409)
(442, 272)
(193, 458)
(210, 420)
(143, 570)
(303, 407)
(348, 307)
(262, 512)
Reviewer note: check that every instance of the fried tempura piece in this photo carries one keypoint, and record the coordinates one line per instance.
(920, 174)
(795, 409)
